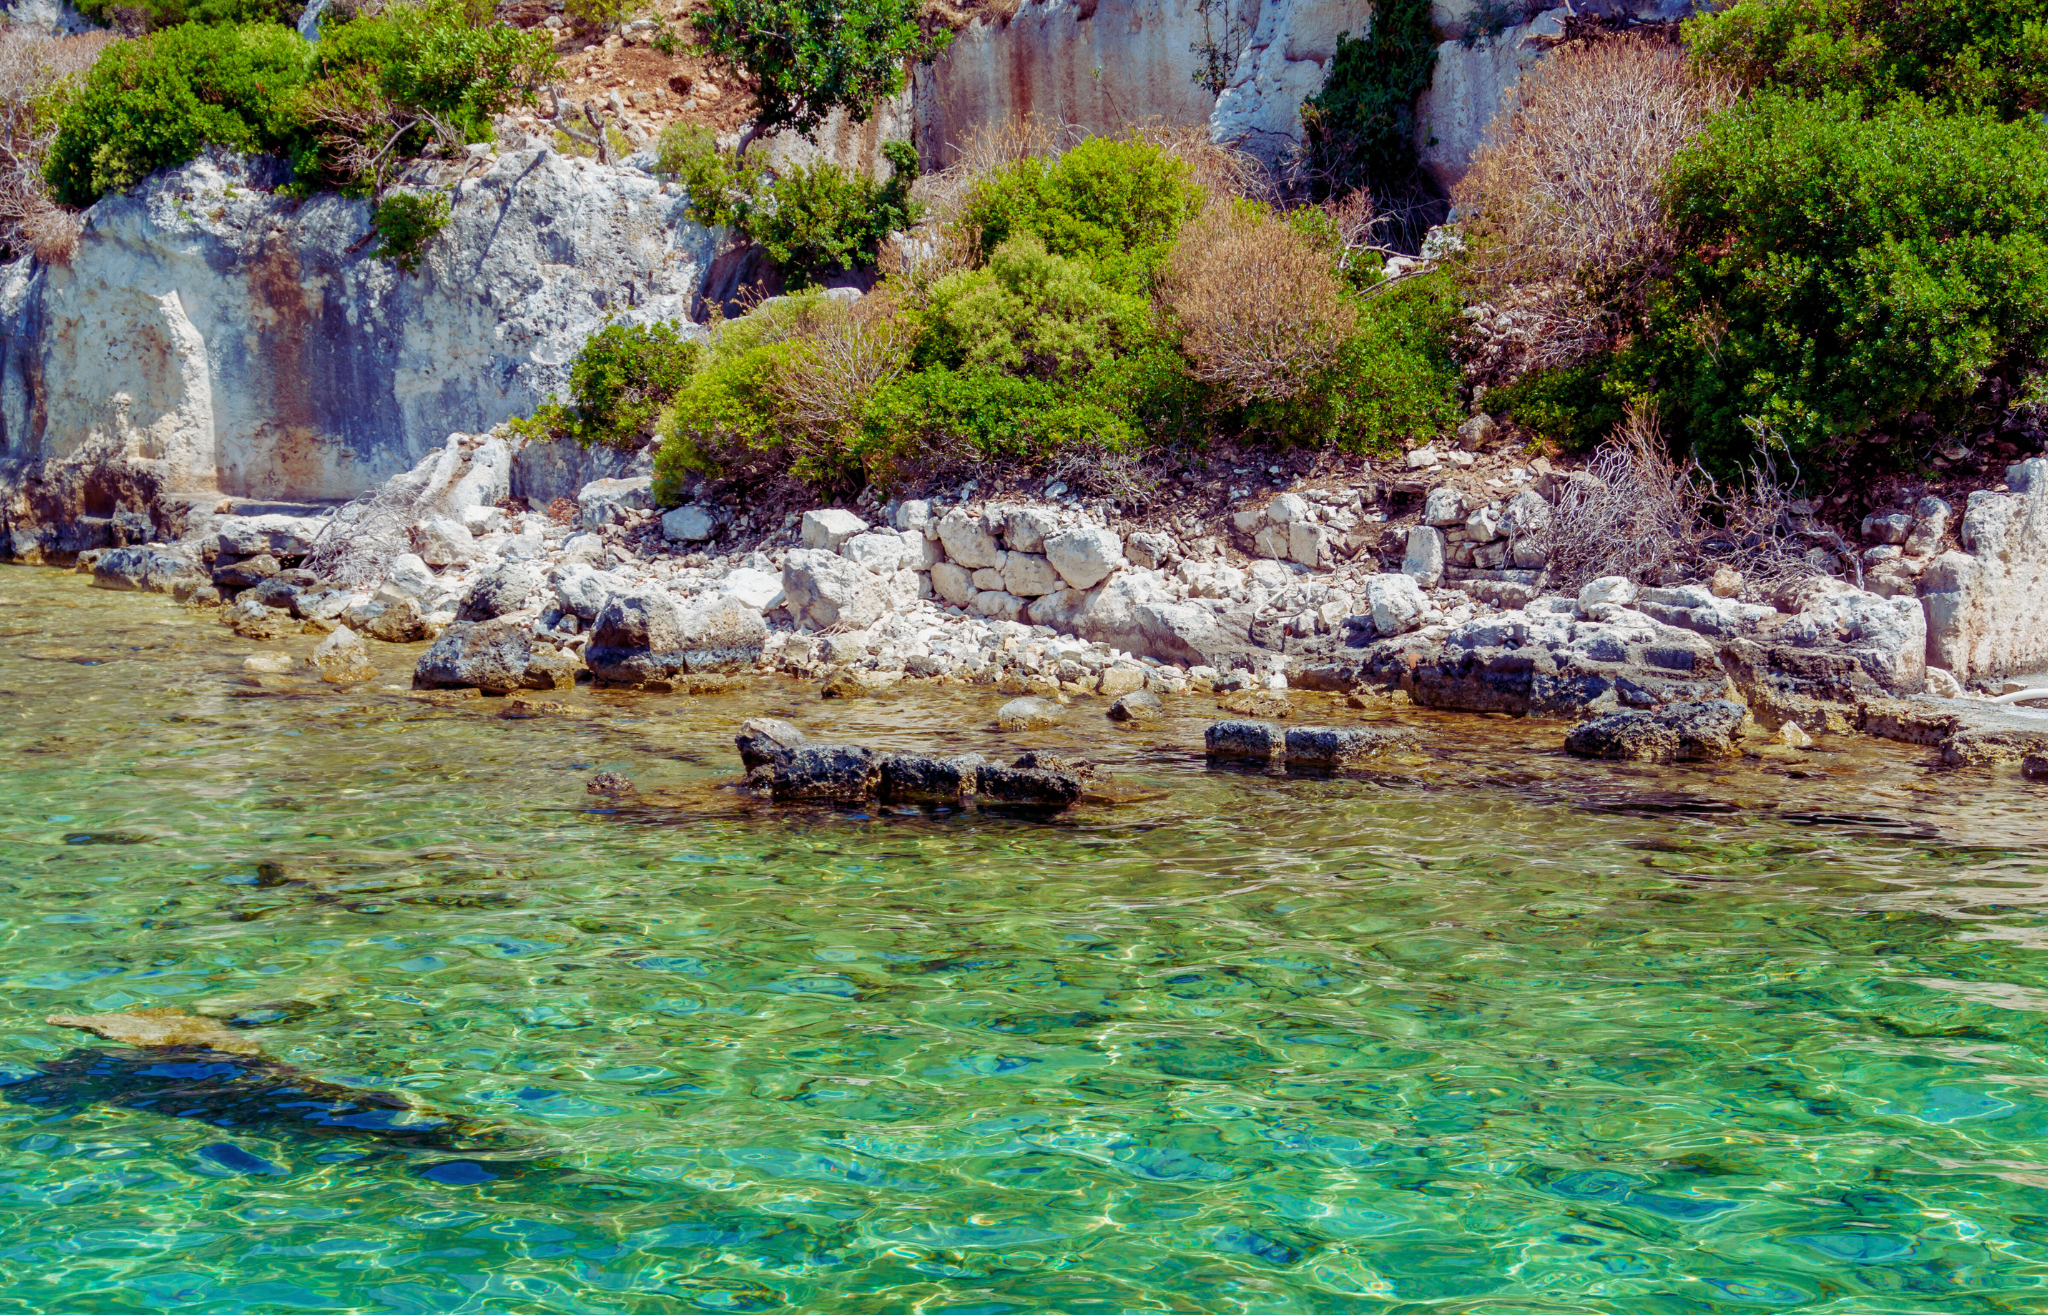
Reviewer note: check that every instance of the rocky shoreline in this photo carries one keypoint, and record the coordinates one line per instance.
(1411, 584)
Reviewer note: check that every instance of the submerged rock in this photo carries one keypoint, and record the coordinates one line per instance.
(1026, 714)
(1030, 787)
(500, 655)
(1139, 705)
(160, 1027)
(1711, 728)
(831, 773)
(1335, 748)
(341, 658)
(765, 740)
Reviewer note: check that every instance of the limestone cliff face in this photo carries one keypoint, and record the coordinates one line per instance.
(237, 342)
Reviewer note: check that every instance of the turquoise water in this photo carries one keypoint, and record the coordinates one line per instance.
(1499, 1031)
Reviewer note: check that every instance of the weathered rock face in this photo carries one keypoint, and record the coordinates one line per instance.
(1987, 606)
(233, 341)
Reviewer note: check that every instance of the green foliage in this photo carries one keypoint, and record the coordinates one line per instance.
(1029, 312)
(824, 219)
(1114, 203)
(162, 99)
(1395, 379)
(154, 15)
(813, 221)
(1573, 407)
(1360, 128)
(619, 384)
(405, 222)
(806, 58)
(1964, 53)
(414, 74)
(1855, 276)
(600, 15)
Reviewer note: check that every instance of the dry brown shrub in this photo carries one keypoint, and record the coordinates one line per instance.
(1221, 170)
(1635, 511)
(1564, 211)
(31, 67)
(841, 355)
(1261, 315)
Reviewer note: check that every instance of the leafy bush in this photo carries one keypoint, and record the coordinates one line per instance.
(824, 219)
(151, 15)
(1965, 53)
(1028, 312)
(619, 384)
(599, 15)
(1115, 203)
(161, 100)
(1261, 315)
(1566, 194)
(405, 222)
(806, 58)
(1571, 406)
(433, 72)
(1854, 275)
(1359, 129)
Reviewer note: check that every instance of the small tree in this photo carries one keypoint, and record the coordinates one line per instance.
(807, 58)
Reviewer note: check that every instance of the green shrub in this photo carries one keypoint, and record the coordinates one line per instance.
(1115, 203)
(1028, 312)
(161, 100)
(825, 220)
(1853, 276)
(619, 383)
(1359, 130)
(405, 222)
(1395, 379)
(1573, 407)
(1966, 53)
(806, 58)
(600, 15)
(152, 15)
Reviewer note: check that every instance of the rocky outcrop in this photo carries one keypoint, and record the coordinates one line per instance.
(1684, 732)
(217, 337)
(1987, 605)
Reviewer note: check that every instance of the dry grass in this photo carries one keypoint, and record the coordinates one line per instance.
(1261, 315)
(1565, 213)
(1634, 511)
(31, 67)
(841, 355)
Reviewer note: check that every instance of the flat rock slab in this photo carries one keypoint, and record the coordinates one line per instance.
(1336, 748)
(1244, 742)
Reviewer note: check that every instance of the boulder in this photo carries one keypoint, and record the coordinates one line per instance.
(444, 541)
(1029, 575)
(1526, 521)
(341, 658)
(642, 636)
(388, 615)
(1396, 602)
(1120, 678)
(1445, 506)
(828, 528)
(880, 551)
(823, 589)
(152, 569)
(1244, 742)
(1711, 728)
(765, 740)
(1311, 544)
(1026, 714)
(1025, 529)
(827, 773)
(1608, 590)
(499, 655)
(760, 590)
(512, 587)
(909, 778)
(689, 525)
(1886, 636)
(246, 572)
(1139, 705)
(409, 573)
(276, 533)
(913, 516)
(954, 583)
(1425, 559)
(582, 592)
(1085, 555)
(604, 502)
(968, 543)
(1334, 748)
(1987, 605)
(1027, 787)
(1151, 551)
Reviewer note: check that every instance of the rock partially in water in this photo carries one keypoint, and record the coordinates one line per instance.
(610, 784)
(828, 773)
(1026, 714)
(271, 664)
(1140, 705)
(641, 636)
(1335, 748)
(1683, 732)
(247, 572)
(153, 569)
(499, 655)
(342, 659)
(765, 740)
(909, 778)
(1243, 742)
(1028, 787)
(160, 1027)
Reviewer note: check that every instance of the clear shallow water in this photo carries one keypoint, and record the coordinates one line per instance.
(1502, 1032)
